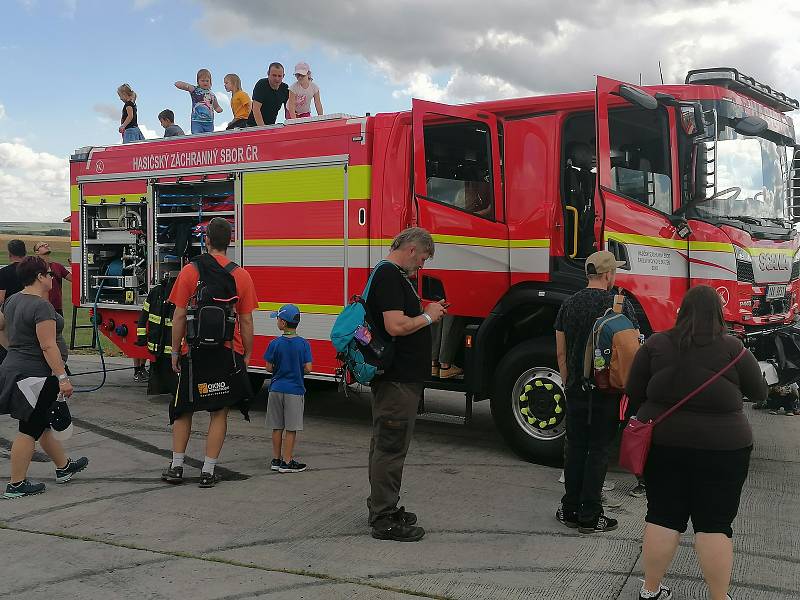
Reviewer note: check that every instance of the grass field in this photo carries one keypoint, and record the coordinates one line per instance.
(61, 254)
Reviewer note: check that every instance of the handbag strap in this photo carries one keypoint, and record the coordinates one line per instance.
(708, 382)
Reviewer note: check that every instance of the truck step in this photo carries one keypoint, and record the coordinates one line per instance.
(443, 418)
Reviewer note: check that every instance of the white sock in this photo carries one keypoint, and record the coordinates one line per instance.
(645, 593)
(209, 464)
(177, 459)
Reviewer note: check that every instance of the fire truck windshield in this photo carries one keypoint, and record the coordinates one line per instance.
(750, 177)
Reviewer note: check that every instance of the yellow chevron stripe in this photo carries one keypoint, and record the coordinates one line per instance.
(320, 309)
(303, 242)
(440, 239)
(75, 243)
(757, 251)
(74, 198)
(320, 184)
(648, 240)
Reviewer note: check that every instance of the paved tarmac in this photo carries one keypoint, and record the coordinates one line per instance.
(117, 531)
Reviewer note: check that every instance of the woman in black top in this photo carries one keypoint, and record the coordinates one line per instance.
(700, 455)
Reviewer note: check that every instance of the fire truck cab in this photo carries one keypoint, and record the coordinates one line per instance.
(686, 184)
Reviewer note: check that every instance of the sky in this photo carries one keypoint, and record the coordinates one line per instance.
(61, 61)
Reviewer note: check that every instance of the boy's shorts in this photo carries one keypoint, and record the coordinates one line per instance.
(285, 411)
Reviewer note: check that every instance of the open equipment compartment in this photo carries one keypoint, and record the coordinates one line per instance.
(115, 248)
(182, 213)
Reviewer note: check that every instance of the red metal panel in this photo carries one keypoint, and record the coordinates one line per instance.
(299, 285)
(301, 220)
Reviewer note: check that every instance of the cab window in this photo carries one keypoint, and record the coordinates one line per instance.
(640, 159)
(458, 166)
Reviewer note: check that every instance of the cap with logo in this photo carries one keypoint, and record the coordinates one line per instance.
(302, 68)
(602, 262)
(288, 312)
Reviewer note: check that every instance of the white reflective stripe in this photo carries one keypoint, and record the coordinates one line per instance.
(448, 257)
(312, 326)
(530, 260)
(75, 255)
(657, 261)
(707, 264)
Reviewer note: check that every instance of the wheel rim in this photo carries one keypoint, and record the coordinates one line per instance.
(538, 402)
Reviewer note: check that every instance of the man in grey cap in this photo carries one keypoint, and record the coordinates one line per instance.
(592, 417)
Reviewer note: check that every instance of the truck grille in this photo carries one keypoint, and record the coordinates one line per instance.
(744, 271)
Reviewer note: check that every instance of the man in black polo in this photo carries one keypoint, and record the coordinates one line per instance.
(396, 312)
(269, 94)
(9, 283)
(592, 417)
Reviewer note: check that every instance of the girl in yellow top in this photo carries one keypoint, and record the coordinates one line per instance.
(240, 101)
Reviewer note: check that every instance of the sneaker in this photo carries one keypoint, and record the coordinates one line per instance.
(72, 467)
(570, 519)
(790, 413)
(638, 491)
(291, 467)
(602, 525)
(389, 529)
(405, 517)
(775, 411)
(609, 502)
(172, 474)
(275, 464)
(450, 372)
(23, 488)
(138, 374)
(208, 480)
(664, 593)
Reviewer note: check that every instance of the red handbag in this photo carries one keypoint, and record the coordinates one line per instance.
(638, 436)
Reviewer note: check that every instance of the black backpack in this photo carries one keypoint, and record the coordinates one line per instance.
(210, 317)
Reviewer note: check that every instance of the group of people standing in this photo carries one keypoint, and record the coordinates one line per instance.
(269, 95)
(696, 468)
(699, 459)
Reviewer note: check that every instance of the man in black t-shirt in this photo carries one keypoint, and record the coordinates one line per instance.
(9, 283)
(269, 94)
(592, 417)
(396, 312)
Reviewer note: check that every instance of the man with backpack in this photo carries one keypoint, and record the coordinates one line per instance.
(395, 312)
(212, 340)
(592, 411)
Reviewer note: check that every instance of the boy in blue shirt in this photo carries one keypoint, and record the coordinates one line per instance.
(288, 358)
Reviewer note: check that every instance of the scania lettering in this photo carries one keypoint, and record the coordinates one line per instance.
(686, 184)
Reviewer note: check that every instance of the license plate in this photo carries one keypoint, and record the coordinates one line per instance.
(775, 291)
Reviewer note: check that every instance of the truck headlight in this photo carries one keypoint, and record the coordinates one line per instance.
(742, 254)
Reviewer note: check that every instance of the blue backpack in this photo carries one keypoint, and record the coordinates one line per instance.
(349, 349)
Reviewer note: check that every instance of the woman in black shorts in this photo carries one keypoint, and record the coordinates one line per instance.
(700, 454)
(32, 376)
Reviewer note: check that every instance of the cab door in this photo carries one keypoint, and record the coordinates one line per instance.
(638, 189)
(458, 197)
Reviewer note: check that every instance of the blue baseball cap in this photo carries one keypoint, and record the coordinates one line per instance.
(288, 312)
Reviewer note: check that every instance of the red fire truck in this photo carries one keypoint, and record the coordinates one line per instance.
(686, 184)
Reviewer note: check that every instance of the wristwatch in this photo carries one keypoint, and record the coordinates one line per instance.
(63, 377)
(428, 318)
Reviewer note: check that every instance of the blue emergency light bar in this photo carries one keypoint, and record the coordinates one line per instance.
(732, 79)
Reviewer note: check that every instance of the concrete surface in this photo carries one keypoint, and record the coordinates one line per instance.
(117, 531)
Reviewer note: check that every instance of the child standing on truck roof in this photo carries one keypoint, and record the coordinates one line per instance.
(288, 358)
(301, 92)
(240, 101)
(129, 126)
(204, 102)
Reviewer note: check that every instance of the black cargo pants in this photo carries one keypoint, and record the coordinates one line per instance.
(394, 412)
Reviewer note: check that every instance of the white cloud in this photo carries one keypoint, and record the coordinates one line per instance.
(107, 112)
(516, 47)
(34, 186)
(2, 112)
(150, 134)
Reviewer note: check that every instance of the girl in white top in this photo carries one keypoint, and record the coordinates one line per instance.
(301, 92)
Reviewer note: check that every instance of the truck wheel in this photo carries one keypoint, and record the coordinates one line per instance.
(528, 404)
